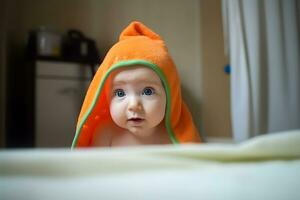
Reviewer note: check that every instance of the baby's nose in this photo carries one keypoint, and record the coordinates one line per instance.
(135, 104)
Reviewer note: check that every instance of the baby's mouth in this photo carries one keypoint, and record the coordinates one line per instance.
(135, 119)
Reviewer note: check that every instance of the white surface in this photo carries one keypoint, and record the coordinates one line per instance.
(262, 168)
(59, 93)
(63, 70)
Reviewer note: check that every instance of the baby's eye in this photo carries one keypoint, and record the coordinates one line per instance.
(148, 91)
(119, 93)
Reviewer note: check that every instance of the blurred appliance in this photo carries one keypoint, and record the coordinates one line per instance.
(44, 42)
(77, 47)
(43, 103)
(60, 88)
(73, 46)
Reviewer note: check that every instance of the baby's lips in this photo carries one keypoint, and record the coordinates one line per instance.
(135, 119)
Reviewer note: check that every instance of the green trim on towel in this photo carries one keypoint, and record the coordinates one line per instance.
(129, 63)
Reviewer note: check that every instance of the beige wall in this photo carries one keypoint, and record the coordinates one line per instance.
(216, 91)
(185, 25)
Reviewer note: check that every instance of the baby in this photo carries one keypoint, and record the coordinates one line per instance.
(135, 96)
(137, 107)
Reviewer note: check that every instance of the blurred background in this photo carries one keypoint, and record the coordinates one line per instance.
(49, 50)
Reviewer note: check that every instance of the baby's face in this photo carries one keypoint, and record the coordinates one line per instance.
(137, 100)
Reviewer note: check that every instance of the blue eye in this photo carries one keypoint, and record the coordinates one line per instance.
(148, 91)
(119, 93)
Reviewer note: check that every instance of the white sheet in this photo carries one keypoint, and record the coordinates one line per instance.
(266, 167)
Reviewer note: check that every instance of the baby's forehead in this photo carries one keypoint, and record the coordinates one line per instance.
(134, 74)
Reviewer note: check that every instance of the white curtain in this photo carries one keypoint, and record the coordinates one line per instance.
(262, 41)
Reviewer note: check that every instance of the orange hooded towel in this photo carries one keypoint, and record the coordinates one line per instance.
(138, 45)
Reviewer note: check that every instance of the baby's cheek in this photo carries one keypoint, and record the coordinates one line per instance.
(115, 110)
(157, 110)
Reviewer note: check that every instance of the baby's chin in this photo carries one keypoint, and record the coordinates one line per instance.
(140, 132)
